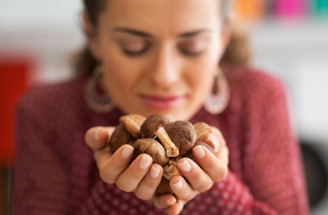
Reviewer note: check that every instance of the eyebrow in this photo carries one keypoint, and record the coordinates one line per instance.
(132, 31)
(193, 33)
(144, 34)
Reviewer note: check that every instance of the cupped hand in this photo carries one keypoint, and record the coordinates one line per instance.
(142, 176)
(200, 176)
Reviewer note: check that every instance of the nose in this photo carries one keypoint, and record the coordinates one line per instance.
(165, 70)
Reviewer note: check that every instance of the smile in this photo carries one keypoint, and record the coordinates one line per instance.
(162, 102)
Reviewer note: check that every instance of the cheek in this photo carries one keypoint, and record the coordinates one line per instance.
(113, 77)
(201, 76)
(118, 71)
(201, 82)
(120, 76)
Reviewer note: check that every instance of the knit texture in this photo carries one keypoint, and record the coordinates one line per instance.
(55, 172)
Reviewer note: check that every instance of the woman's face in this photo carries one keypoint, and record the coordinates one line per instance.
(159, 56)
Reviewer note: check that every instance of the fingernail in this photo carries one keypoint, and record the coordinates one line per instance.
(178, 185)
(215, 143)
(144, 162)
(185, 166)
(127, 151)
(97, 134)
(154, 172)
(171, 201)
(199, 151)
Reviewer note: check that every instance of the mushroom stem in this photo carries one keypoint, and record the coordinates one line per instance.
(170, 170)
(171, 149)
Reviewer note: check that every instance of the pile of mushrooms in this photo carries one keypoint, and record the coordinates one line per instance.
(165, 140)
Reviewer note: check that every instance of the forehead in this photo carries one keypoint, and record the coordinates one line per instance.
(162, 16)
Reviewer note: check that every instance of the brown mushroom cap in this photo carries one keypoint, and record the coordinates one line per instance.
(164, 187)
(153, 123)
(119, 138)
(201, 129)
(152, 148)
(132, 124)
(182, 134)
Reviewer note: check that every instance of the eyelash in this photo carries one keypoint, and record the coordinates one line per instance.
(191, 54)
(139, 53)
(134, 54)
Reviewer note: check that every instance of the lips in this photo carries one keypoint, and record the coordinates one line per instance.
(162, 102)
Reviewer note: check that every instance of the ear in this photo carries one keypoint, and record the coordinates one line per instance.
(227, 29)
(91, 35)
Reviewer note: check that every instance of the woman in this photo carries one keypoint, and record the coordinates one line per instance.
(151, 57)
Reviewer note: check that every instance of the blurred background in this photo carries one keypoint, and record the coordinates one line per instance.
(289, 38)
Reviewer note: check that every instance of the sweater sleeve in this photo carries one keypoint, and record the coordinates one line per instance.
(268, 179)
(40, 183)
(272, 167)
(43, 182)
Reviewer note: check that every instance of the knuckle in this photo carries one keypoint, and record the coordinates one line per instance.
(216, 177)
(158, 203)
(106, 176)
(140, 194)
(224, 172)
(206, 187)
(124, 186)
(189, 197)
(116, 165)
(194, 175)
(149, 184)
(220, 174)
(185, 195)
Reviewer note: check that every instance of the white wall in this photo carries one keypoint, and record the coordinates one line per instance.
(297, 51)
(46, 30)
(43, 13)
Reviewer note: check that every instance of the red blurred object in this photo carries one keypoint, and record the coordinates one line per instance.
(13, 81)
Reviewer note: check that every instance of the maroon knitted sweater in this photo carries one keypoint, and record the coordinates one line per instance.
(55, 172)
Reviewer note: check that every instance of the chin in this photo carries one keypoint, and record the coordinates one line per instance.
(183, 112)
(180, 114)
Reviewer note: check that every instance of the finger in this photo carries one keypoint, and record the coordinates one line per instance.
(213, 166)
(182, 189)
(213, 140)
(110, 169)
(223, 155)
(164, 201)
(198, 179)
(220, 137)
(223, 151)
(101, 156)
(96, 138)
(149, 184)
(129, 180)
(176, 208)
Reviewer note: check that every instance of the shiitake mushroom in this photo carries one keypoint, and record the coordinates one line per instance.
(160, 137)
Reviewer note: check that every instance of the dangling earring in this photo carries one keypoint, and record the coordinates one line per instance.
(218, 99)
(100, 103)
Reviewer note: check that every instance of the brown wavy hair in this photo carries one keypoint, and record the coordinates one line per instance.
(237, 52)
